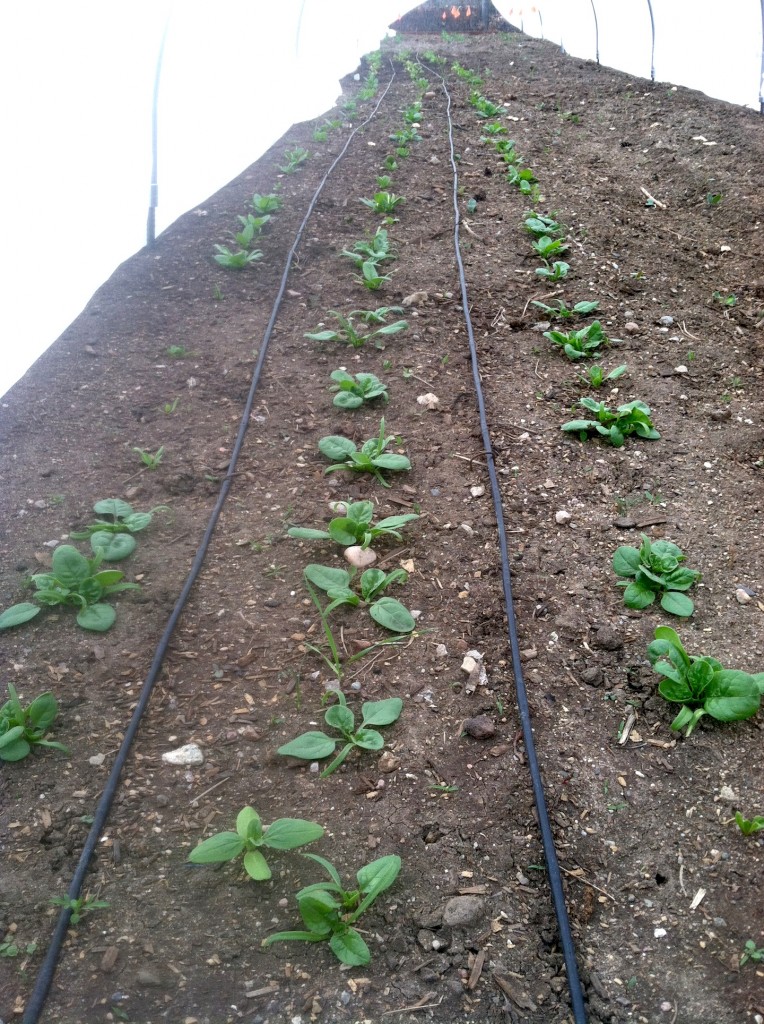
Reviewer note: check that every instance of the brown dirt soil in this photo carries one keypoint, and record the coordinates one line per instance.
(643, 819)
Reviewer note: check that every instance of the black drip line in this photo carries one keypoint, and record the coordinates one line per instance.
(47, 971)
(553, 868)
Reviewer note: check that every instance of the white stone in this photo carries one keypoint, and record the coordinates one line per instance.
(429, 401)
(478, 491)
(360, 558)
(562, 517)
(190, 753)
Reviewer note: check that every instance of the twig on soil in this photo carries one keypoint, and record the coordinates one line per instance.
(584, 881)
(539, 295)
(198, 797)
(685, 331)
(423, 1004)
(653, 199)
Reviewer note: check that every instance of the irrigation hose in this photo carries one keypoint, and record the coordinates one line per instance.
(47, 971)
(547, 838)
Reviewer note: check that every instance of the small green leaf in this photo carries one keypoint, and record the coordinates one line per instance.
(303, 533)
(310, 746)
(114, 507)
(638, 595)
(326, 577)
(677, 604)
(18, 613)
(369, 739)
(392, 615)
(336, 448)
(13, 746)
(340, 717)
(97, 617)
(734, 697)
(289, 833)
(221, 847)
(349, 948)
(626, 561)
(69, 566)
(112, 547)
(248, 825)
(256, 866)
(382, 712)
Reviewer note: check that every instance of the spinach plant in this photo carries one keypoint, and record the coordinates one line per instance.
(250, 835)
(579, 344)
(149, 459)
(375, 251)
(557, 272)
(539, 225)
(329, 911)
(236, 260)
(655, 568)
(355, 389)
(404, 136)
(748, 826)
(355, 526)
(372, 458)
(560, 311)
(547, 247)
(524, 179)
(389, 613)
(384, 182)
(390, 163)
(595, 375)
(700, 684)
(483, 106)
(614, 426)
(251, 228)
(316, 745)
(492, 129)
(75, 581)
(266, 204)
(23, 728)
(383, 202)
(294, 159)
(350, 333)
(370, 277)
(111, 538)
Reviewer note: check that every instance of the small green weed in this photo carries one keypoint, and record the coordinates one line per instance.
(79, 907)
(150, 460)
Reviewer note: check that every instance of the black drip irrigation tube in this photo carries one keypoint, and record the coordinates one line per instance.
(553, 867)
(47, 971)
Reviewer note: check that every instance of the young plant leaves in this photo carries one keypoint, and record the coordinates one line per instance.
(700, 684)
(654, 569)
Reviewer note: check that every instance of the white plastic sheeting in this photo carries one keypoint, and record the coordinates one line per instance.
(77, 81)
(698, 43)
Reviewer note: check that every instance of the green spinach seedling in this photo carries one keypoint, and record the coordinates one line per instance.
(539, 225)
(557, 272)
(316, 745)
(376, 251)
(329, 911)
(266, 204)
(23, 728)
(492, 129)
(80, 906)
(294, 158)
(547, 247)
(390, 163)
(150, 460)
(383, 202)
(236, 260)
(579, 344)
(111, 538)
(250, 835)
(389, 613)
(349, 332)
(384, 182)
(751, 952)
(251, 228)
(614, 426)
(560, 311)
(370, 277)
(748, 826)
(355, 389)
(595, 375)
(75, 581)
(372, 458)
(356, 526)
(700, 684)
(655, 568)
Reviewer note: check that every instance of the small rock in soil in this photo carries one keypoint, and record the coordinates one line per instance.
(360, 558)
(480, 727)
(188, 754)
(562, 517)
(592, 676)
(607, 639)
(462, 911)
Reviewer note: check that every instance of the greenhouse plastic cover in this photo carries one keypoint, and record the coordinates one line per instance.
(79, 81)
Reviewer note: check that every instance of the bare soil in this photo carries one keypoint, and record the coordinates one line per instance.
(663, 890)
